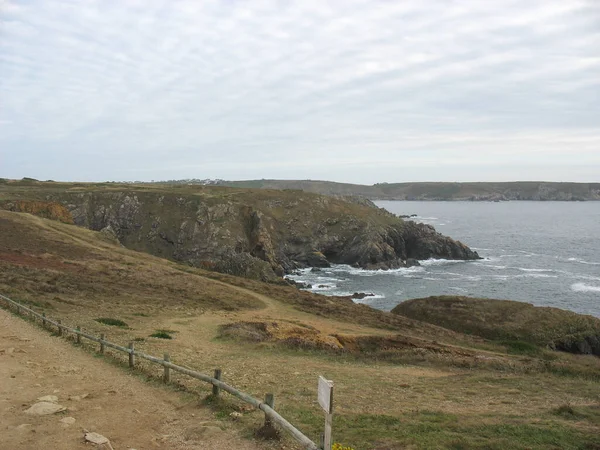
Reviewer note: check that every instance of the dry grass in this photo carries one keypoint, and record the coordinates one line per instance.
(407, 385)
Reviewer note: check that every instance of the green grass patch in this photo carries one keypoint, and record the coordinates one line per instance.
(112, 322)
(521, 348)
(162, 334)
(440, 430)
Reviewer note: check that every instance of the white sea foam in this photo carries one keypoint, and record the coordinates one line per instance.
(582, 287)
(440, 262)
(536, 275)
(532, 270)
(582, 261)
(341, 268)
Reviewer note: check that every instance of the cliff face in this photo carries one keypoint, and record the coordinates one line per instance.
(259, 234)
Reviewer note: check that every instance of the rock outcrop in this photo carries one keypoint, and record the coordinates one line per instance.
(258, 234)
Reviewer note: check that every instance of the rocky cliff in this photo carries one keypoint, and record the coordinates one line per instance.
(259, 234)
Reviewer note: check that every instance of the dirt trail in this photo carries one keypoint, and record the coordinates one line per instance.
(118, 405)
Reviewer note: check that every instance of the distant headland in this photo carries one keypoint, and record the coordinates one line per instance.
(445, 191)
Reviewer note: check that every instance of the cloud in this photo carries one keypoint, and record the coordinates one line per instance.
(155, 89)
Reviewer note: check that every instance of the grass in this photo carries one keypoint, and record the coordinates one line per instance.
(112, 322)
(162, 334)
(519, 326)
(439, 430)
(515, 347)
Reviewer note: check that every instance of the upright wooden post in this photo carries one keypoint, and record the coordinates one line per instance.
(167, 374)
(269, 400)
(217, 377)
(78, 335)
(325, 397)
(59, 327)
(44, 320)
(131, 355)
(102, 344)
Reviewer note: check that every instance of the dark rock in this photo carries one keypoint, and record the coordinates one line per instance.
(299, 284)
(411, 262)
(316, 269)
(361, 295)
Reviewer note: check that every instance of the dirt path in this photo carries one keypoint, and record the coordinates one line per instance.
(118, 405)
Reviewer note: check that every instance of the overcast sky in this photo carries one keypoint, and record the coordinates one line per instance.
(356, 91)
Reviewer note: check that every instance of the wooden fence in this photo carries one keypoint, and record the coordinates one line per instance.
(267, 406)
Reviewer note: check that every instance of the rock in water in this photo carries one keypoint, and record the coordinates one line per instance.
(45, 408)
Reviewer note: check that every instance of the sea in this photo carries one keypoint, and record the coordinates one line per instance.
(544, 253)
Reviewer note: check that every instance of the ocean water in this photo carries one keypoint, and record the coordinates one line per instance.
(545, 253)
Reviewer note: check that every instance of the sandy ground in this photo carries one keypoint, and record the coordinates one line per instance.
(118, 405)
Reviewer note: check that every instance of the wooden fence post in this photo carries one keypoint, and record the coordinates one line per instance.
(167, 374)
(78, 335)
(217, 377)
(269, 400)
(59, 328)
(102, 344)
(131, 355)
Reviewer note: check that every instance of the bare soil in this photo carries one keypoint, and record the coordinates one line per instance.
(117, 404)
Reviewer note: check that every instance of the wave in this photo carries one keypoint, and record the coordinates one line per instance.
(440, 262)
(343, 268)
(532, 270)
(582, 287)
(536, 275)
(582, 261)
(492, 266)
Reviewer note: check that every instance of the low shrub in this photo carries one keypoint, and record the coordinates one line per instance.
(112, 322)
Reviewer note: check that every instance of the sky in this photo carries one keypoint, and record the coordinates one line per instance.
(349, 90)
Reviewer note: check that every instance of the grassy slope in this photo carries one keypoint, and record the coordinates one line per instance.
(470, 395)
(503, 319)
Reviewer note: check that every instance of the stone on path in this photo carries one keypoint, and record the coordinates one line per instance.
(44, 408)
(48, 398)
(68, 420)
(99, 440)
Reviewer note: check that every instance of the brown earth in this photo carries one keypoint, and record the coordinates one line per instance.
(117, 404)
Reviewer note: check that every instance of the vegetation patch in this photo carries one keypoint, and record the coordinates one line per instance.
(521, 348)
(516, 323)
(112, 322)
(162, 334)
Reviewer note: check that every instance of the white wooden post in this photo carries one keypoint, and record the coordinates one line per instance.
(325, 391)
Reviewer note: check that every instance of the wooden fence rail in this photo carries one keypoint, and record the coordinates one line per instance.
(270, 414)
